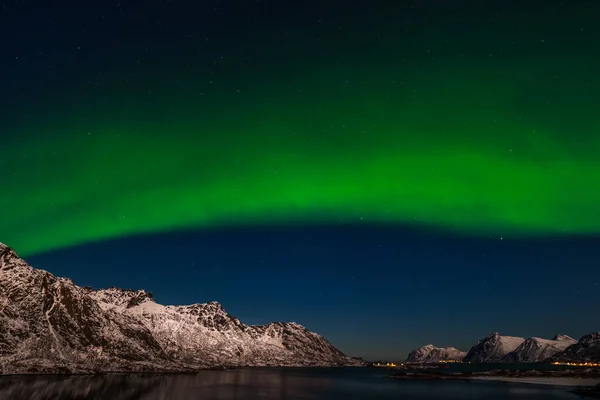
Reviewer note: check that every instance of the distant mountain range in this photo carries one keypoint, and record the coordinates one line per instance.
(498, 349)
(430, 354)
(493, 348)
(51, 325)
(538, 349)
(586, 350)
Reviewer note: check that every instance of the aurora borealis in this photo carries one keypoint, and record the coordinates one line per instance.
(478, 121)
(112, 182)
(496, 143)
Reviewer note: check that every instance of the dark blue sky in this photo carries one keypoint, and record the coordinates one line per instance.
(372, 291)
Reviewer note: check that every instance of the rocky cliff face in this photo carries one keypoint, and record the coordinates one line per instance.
(430, 353)
(49, 324)
(537, 349)
(586, 350)
(493, 348)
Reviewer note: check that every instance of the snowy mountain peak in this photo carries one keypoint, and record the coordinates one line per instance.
(121, 298)
(7, 256)
(213, 306)
(587, 349)
(210, 309)
(10, 260)
(6, 250)
(563, 337)
(430, 353)
(537, 349)
(592, 338)
(493, 348)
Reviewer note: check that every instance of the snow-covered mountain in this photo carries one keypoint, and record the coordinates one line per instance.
(49, 324)
(493, 348)
(586, 350)
(430, 353)
(207, 334)
(537, 349)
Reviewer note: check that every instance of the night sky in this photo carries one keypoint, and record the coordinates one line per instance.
(387, 173)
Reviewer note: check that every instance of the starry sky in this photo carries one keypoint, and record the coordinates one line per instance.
(389, 174)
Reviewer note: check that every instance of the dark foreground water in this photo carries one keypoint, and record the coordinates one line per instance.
(266, 384)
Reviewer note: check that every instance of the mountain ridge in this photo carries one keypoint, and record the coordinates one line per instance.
(493, 348)
(587, 349)
(50, 325)
(537, 349)
(430, 353)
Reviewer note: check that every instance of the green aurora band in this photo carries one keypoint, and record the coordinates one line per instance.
(479, 147)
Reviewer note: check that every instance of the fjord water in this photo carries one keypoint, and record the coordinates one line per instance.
(266, 384)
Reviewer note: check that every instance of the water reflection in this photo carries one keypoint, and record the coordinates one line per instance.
(230, 385)
(267, 384)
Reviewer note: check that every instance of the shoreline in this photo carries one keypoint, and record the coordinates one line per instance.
(548, 380)
(586, 379)
(159, 372)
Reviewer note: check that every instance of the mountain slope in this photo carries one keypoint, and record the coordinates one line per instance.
(586, 350)
(430, 353)
(206, 332)
(538, 349)
(49, 324)
(493, 348)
